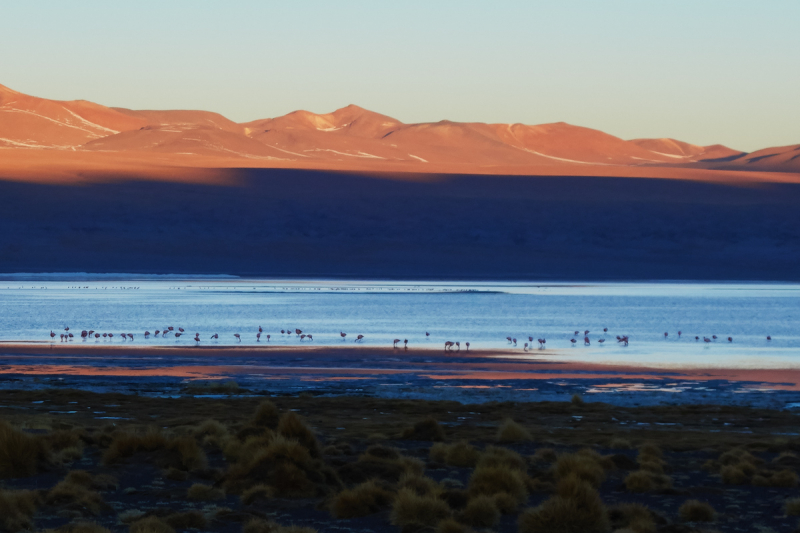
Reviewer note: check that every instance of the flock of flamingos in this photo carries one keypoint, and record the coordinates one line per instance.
(448, 345)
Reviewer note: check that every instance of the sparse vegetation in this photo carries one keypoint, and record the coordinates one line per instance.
(510, 431)
(501, 479)
(365, 499)
(576, 507)
(697, 511)
(411, 509)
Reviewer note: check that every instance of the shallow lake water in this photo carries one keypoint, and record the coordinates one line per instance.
(483, 314)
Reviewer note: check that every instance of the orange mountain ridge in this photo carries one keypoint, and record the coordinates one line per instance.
(49, 134)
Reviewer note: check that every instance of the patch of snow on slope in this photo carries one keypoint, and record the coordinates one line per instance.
(417, 157)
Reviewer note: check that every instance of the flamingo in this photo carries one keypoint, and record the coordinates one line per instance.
(238, 338)
(170, 328)
(215, 336)
(84, 333)
(586, 332)
(697, 338)
(447, 345)
(467, 345)
(258, 337)
(577, 332)
(601, 341)
(111, 335)
(157, 332)
(525, 348)
(147, 334)
(427, 334)
(179, 329)
(91, 332)
(769, 337)
(268, 338)
(586, 341)
(70, 336)
(260, 330)
(130, 336)
(282, 332)
(196, 337)
(730, 339)
(714, 337)
(514, 341)
(541, 343)
(359, 338)
(342, 334)
(178, 334)
(405, 343)
(605, 330)
(310, 337)
(530, 339)
(706, 339)
(105, 334)
(508, 339)
(623, 340)
(298, 331)
(666, 334)
(394, 343)
(303, 336)
(52, 335)
(679, 333)
(458, 345)
(573, 341)
(66, 328)
(60, 336)
(96, 335)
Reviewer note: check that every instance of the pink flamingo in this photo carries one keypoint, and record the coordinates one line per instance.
(714, 337)
(84, 333)
(605, 330)
(467, 345)
(52, 335)
(96, 335)
(586, 332)
(405, 344)
(282, 332)
(178, 334)
(679, 333)
(525, 348)
(769, 337)
(303, 336)
(586, 341)
(170, 328)
(730, 339)
(666, 334)
(573, 341)
(238, 338)
(111, 335)
(342, 334)
(514, 341)
(706, 339)
(601, 341)
(105, 334)
(147, 334)
(447, 345)
(268, 338)
(70, 336)
(394, 343)
(130, 336)
(66, 329)
(508, 339)
(157, 332)
(310, 337)
(215, 336)
(196, 337)
(297, 331)
(458, 345)
(179, 329)
(258, 337)
(427, 334)
(260, 330)
(359, 338)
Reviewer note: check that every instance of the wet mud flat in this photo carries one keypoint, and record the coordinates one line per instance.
(236, 460)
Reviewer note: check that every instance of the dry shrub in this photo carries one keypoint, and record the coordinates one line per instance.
(461, 454)
(83, 527)
(201, 492)
(605, 461)
(292, 426)
(510, 431)
(697, 511)
(582, 466)
(734, 475)
(411, 509)
(643, 481)
(17, 508)
(266, 415)
(499, 456)
(618, 443)
(450, 525)
(577, 400)
(176, 474)
(428, 429)
(21, 454)
(632, 516)
(506, 503)
(424, 486)
(187, 520)
(257, 492)
(151, 524)
(738, 455)
(177, 452)
(782, 478)
(480, 511)
(286, 466)
(74, 497)
(210, 428)
(257, 525)
(792, 507)
(491, 480)
(90, 481)
(545, 455)
(362, 500)
(576, 507)
(382, 463)
(649, 449)
(651, 464)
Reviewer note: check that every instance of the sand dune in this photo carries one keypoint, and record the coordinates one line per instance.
(348, 139)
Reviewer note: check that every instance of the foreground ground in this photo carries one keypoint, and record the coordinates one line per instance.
(220, 458)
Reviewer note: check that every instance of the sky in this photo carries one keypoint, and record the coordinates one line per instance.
(702, 71)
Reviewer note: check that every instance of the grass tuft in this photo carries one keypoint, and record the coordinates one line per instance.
(151, 524)
(201, 492)
(17, 508)
(697, 511)
(177, 452)
(480, 511)
(510, 431)
(492, 480)
(292, 426)
(187, 520)
(21, 454)
(633, 517)
(792, 507)
(75, 497)
(411, 509)
(365, 499)
(257, 492)
(576, 507)
(643, 481)
(428, 429)
(582, 466)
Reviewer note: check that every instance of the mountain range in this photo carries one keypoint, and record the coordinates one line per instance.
(87, 134)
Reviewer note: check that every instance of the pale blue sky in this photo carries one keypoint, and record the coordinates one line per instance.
(700, 71)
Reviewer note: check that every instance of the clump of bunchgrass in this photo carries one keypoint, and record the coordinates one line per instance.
(364, 499)
(632, 516)
(21, 454)
(510, 431)
(576, 506)
(411, 509)
(151, 524)
(492, 480)
(168, 451)
(697, 511)
(428, 429)
(202, 492)
(17, 508)
(461, 454)
(481, 511)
